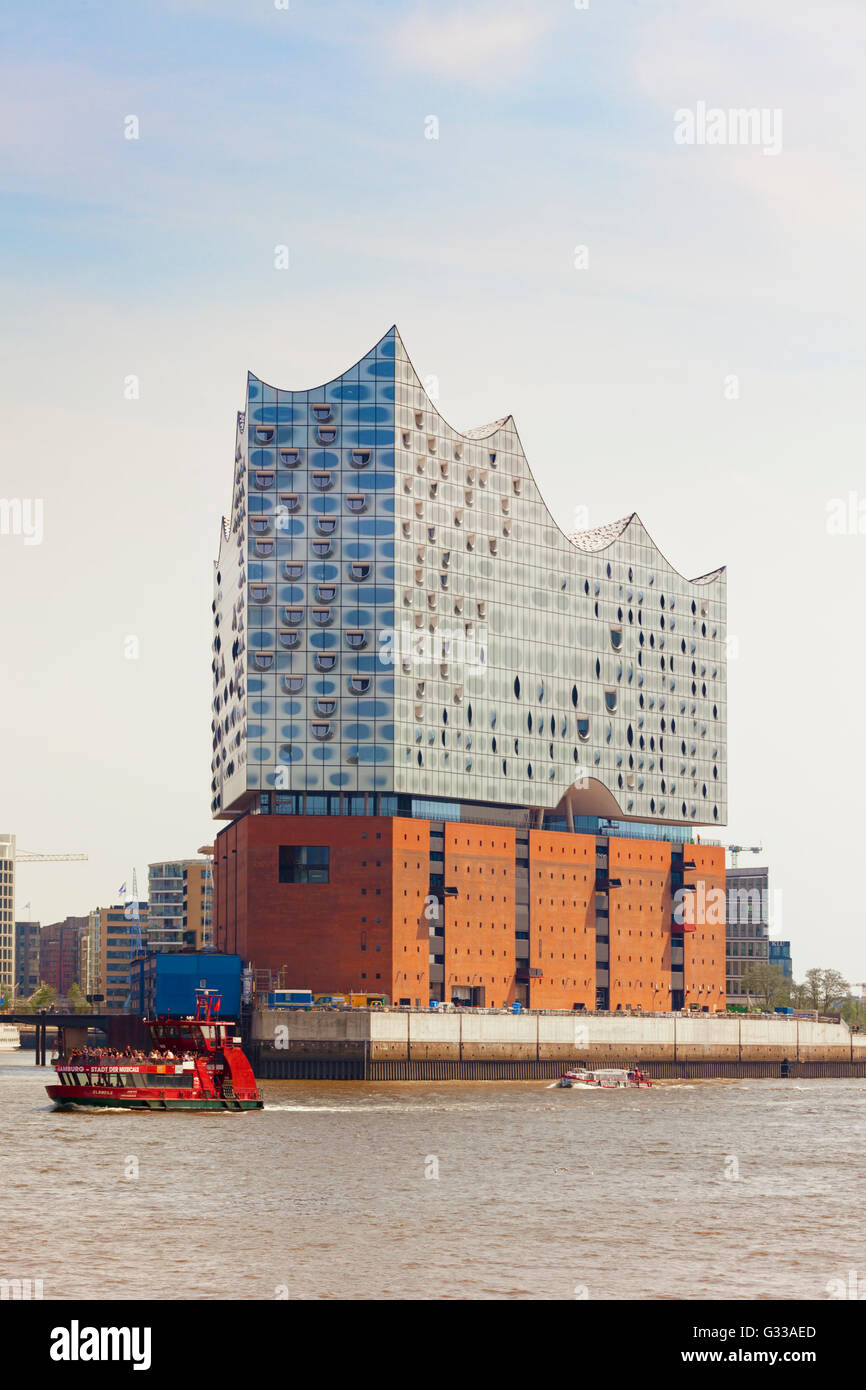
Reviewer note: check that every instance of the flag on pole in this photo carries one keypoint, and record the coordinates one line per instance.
(122, 888)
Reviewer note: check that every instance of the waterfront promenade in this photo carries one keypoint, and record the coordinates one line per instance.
(407, 1044)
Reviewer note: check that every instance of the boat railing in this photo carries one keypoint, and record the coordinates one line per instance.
(119, 1064)
(229, 1092)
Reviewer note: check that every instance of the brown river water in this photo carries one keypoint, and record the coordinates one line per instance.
(732, 1190)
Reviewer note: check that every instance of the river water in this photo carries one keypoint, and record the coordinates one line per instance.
(720, 1189)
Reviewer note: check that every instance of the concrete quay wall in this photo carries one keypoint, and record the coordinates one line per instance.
(408, 1036)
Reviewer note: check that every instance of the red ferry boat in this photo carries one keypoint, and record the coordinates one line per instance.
(196, 1063)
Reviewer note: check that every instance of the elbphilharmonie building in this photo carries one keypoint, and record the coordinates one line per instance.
(403, 633)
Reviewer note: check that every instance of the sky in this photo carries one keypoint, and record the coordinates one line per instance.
(676, 328)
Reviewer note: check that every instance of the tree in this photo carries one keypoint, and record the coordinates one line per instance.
(39, 999)
(768, 983)
(825, 990)
(77, 999)
(854, 1012)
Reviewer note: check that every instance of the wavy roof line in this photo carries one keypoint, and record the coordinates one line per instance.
(478, 432)
(591, 541)
(600, 537)
(483, 431)
(305, 390)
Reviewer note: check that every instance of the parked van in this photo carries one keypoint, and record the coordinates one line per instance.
(330, 1001)
(367, 1001)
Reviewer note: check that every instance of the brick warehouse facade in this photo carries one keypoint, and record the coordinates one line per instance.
(463, 755)
(472, 913)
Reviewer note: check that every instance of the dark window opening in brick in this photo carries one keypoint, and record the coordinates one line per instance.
(304, 863)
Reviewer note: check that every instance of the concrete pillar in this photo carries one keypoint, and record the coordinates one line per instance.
(71, 1038)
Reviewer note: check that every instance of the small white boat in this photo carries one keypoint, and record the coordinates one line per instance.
(10, 1038)
(579, 1080)
(604, 1079)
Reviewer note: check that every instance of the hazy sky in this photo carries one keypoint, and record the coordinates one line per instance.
(702, 364)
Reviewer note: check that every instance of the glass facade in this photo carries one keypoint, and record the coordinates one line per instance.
(397, 613)
(747, 930)
(7, 914)
(180, 898)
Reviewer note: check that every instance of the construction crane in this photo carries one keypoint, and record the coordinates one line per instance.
(32, 856)
(35, 856)
(736, 850)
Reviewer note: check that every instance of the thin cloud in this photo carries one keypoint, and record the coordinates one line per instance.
(490, 44)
